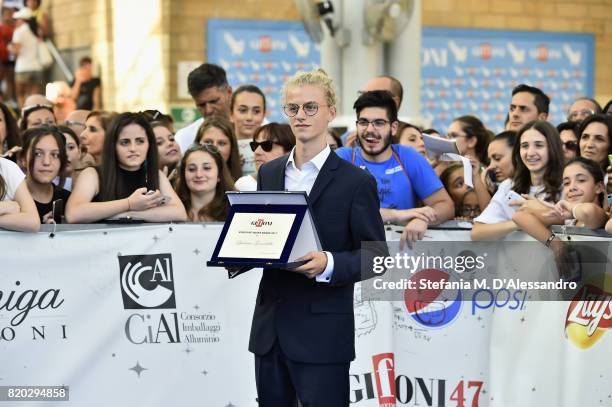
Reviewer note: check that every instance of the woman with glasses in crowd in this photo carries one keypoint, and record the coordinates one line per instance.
(270, 141)
(46, 160)
(568, 132)
(538, 161)
(219, 131)
(203, 180)
(500, 166)
(128, 185)
(92, 138)
(462, 195)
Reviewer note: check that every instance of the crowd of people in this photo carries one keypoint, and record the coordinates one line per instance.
(100, 166)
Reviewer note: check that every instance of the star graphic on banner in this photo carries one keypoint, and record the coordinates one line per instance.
(533, 389)
(138, 369)
(484, 391)
(204, 372)
(197, 252)
(155, 238)
(196, 307)
(230, 405)
(479, 318)
(113, 355)
(523, 319)
(188, 350)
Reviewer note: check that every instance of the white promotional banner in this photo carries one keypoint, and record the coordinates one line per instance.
(133, 317)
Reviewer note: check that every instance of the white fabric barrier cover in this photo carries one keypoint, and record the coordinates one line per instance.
(165, 330)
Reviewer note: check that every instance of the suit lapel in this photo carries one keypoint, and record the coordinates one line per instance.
(278, 181)
(326, 175)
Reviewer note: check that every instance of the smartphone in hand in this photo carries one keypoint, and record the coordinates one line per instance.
(513, 196)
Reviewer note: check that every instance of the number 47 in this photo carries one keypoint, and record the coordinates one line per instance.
(458, 393)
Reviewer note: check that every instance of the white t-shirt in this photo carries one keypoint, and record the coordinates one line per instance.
(246, 183)
(13, 177)
(27, 60)
(186, 136)
(498, 209)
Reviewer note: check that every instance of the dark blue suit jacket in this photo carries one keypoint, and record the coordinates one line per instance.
(314, 322)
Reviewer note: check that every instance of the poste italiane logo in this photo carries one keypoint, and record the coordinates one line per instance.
(589, 315)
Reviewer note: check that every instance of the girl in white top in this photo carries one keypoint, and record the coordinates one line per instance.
(17, 209)
(538, 161)
(270, 141)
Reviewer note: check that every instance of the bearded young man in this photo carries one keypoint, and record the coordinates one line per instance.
(404, 177)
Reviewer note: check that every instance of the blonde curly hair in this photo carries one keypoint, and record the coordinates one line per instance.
(317, 77)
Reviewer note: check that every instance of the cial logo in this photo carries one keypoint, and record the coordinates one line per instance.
(589, 315)
(432, 308)
(147, 281)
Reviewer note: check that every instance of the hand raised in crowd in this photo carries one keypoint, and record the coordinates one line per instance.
(9, 207)
(170, 175)
(141, 200)
(316, 262)
(413, 232)
(12, 152)
(350, 139)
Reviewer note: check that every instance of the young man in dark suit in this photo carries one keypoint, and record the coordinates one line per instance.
(303, 325)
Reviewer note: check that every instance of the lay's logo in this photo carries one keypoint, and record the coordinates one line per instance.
(589, 316)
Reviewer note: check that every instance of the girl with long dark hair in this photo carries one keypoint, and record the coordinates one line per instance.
(128, 184)
(537, 158)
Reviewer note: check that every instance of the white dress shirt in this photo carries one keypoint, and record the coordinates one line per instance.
(303, 180)
(185, 137)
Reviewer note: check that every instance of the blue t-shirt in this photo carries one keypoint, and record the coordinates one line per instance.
(398, 189)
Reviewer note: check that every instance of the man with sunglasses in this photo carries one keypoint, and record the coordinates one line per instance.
(568, 132)
(404, 177)
(303, 324)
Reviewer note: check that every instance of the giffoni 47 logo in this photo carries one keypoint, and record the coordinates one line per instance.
(147, 281)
